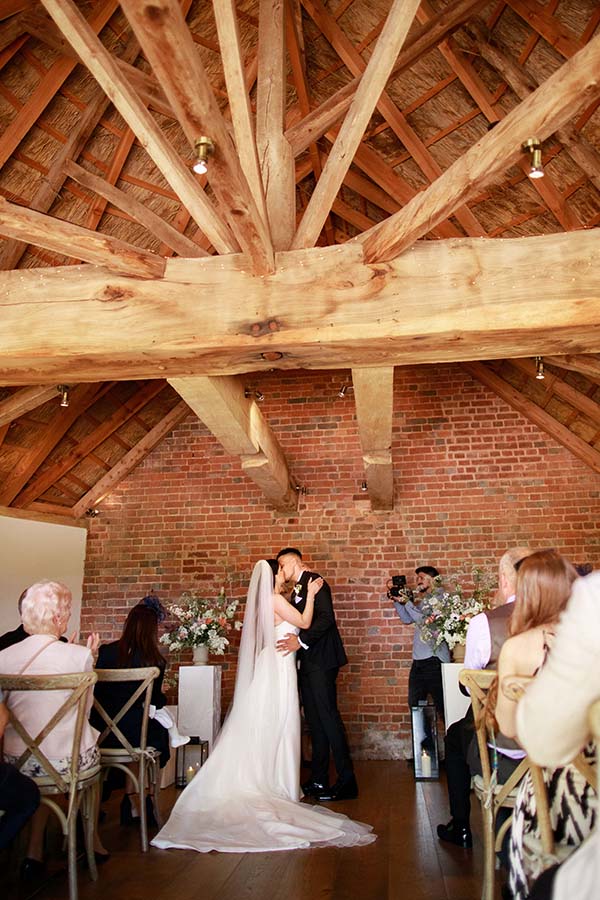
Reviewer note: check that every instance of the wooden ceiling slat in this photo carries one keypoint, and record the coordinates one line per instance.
(63, 237)
(239, 100)
(86, 445)
(318, 122)
(133, 458)
(82, 396)
(11, 7)
(104, 69)
(274, 152)
(560, 388)
(48, 86)
(524, 83)
(3, 432)
(586, 365)
(139, 212)
(24, 400)
(10, 30)
(119, 157)
(168, 45)
(371, 86)
(553, 31)
(557, 100)
(576, 445)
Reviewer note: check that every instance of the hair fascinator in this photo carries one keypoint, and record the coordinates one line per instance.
(156, 606)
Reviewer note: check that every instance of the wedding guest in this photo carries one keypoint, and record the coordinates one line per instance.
(137, 647)
(19, 634)
(45, 612)
(529, 651)
(552, 724)
(19, 795)
(485, 635)
(425, 676)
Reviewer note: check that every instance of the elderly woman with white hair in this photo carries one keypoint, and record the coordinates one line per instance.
(45, 613)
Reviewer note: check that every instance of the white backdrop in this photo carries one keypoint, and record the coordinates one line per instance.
(32, 550)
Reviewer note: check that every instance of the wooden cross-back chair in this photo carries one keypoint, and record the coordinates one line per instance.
(81, 786)
(492, 795)
(147, 758)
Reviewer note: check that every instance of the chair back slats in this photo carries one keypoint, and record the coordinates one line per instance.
(145, 676)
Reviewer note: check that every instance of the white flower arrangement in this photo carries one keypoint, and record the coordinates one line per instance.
(450, 612)
(201, 621)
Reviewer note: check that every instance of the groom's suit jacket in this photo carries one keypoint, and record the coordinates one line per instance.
(325, 648)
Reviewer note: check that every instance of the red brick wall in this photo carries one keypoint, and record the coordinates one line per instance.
(472, 477)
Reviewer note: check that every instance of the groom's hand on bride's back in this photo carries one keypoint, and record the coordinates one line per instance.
(288, 644)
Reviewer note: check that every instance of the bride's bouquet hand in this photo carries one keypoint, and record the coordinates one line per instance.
(314, 586)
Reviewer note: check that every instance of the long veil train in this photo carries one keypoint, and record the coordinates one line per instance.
(245, 798)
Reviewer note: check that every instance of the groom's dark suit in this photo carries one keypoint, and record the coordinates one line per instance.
(319, 660)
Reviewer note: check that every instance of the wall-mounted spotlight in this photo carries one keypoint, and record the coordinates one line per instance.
(539, 368)
(91, 512)
(301, 489)
(203, 148)
(63, 390)
(256, 395)
(344, 390)
(533, 147)
(364, 486)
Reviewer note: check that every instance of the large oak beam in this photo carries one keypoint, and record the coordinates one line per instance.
(238, 424)
(572, 87)
(586, 365)
(535, 414)
(374, 398)
(168, 45)
(322, 308)
(114, 83)
(72, 240)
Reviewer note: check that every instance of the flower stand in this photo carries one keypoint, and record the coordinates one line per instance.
(200, 702)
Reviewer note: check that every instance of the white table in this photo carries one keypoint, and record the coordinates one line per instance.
(200, 702)
(455, 703)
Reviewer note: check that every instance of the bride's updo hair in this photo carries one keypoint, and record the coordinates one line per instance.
(274, 566)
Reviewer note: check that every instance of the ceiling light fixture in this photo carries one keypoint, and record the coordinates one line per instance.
(256, 395)
(539, 368)
(91, 512)
(364, 486)
(203, 148)
(533, 147)
(344, 390)
(63, 390)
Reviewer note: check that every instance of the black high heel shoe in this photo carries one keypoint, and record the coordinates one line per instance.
(126, 816)
(150, 817)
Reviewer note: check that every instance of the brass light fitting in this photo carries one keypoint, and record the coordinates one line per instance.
(203, 148)
(533, 147)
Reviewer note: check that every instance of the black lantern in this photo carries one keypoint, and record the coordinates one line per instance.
(424, 741)
(190, 758)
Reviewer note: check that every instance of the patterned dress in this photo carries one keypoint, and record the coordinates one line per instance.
(572, 803)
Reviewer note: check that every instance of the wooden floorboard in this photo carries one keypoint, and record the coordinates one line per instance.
(407, 862)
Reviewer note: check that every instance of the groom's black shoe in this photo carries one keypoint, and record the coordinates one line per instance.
(347, 790)
(312, 788)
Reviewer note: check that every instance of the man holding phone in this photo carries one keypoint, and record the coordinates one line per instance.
(426, 671)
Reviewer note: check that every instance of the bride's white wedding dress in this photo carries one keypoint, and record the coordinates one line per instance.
(245, 798)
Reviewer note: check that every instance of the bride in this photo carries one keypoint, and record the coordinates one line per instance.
(246, 796)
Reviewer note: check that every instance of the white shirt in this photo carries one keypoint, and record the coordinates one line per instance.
(479, 642)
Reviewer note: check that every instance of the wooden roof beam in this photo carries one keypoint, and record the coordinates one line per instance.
(320, 120)
(65, 238)
(351, 133)
(131, 460)
(239, 99)
(586, 365)
(274, 152)
(323, 308)
(573, 86)
(110, 77)
(24, 400)
(555, 386)
(82, 396)
(88, 444)
(374, 398)
(167, 43)
(535, 414)
(238, 424)
(139, 212)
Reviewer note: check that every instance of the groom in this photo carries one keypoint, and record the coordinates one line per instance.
(320, 654)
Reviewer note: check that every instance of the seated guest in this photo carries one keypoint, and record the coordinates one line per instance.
(136, 648)
(552, 725)
(544, 585)
(45, 612)
(19, 795)
(18, 634)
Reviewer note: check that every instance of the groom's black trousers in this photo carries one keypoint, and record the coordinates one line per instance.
(319, 699)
